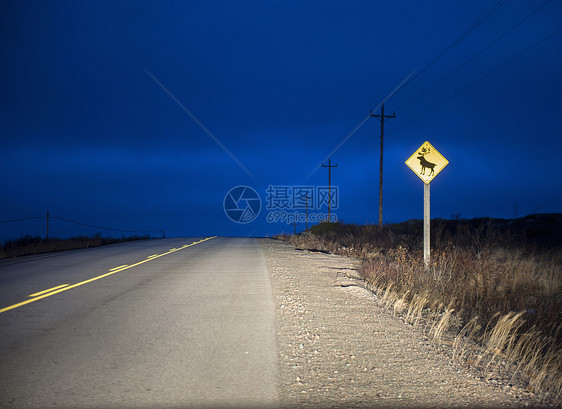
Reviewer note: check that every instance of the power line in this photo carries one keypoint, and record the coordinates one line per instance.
(485, 76)
(344, 140)
(460, 38)
(476, 55)
(49, 216)
(199, 123)
(104, 228)
(411, 77)
(22, 220)
(370, 145)
(363, 121)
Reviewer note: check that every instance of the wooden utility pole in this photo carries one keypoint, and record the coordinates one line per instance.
(381, 118)
(307, 199)
(295, 227)
(329, 166)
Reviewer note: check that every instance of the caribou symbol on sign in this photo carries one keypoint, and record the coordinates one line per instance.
(424, 162)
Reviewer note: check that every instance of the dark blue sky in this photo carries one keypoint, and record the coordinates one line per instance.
(96, 99)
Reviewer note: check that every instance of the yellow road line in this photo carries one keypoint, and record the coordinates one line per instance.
(117, 268)
(154, 255)
(47, 291)
(59, 289)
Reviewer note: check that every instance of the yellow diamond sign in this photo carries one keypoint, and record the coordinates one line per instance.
(426, 162)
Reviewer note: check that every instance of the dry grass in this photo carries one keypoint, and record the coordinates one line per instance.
(35, 245)
(495, 286)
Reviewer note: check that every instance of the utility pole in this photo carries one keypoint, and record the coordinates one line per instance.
(381, 118)
(329, 166)
(307, 199)
(47, 225)
(295, 227)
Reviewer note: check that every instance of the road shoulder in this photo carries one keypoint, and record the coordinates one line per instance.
(338, 347)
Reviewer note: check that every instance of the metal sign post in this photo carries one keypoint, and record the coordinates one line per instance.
(426, 225)
(426, 162)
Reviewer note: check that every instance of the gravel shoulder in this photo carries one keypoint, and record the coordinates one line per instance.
(338, 347)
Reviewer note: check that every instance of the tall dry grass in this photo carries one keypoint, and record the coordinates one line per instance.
(491, 284)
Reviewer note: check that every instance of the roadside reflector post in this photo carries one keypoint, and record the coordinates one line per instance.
(426, 162)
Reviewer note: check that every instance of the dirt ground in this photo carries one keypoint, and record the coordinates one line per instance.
(338, 346)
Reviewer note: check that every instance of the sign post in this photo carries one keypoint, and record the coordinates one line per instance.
(426, 225)
(426, 162)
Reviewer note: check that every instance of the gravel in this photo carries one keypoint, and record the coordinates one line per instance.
(339, 347)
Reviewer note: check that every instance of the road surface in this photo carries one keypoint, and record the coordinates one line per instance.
(144, 324)
(216, 322)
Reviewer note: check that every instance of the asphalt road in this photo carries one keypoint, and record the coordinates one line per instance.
(139, 325)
